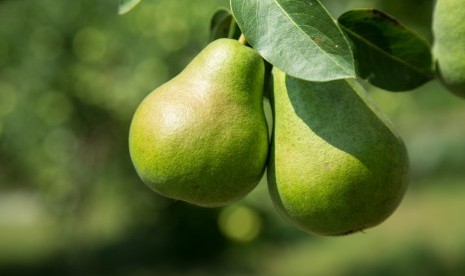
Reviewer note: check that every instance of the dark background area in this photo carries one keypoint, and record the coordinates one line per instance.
(71, 75)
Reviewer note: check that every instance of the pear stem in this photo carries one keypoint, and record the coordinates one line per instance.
(242, 40)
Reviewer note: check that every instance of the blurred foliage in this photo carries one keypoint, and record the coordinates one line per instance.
(71, 75)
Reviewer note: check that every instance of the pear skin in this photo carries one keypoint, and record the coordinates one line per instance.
(449, 44)
(202, 137)
(336, 164)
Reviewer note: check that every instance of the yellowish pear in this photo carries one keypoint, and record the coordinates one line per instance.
(202, 137)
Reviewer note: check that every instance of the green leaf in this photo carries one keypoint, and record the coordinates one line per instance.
(223, 25)
(387, 54)
(127, 5)
(297, 36)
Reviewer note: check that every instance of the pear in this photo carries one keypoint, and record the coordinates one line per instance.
(202, 137)
(336, 164)
(449, 44)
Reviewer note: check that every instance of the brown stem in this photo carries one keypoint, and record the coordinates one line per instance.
(242, 40)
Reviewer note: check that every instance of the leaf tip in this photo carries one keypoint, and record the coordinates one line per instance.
(127, 5)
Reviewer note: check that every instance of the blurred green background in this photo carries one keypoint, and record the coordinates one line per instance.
(72, 74)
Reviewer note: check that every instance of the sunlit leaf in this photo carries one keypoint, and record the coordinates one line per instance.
(297, 36)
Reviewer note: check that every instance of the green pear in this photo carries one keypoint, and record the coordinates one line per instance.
(449, 44)
(336, 164)
(202, 137)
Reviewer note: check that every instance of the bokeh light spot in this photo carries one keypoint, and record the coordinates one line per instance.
(240, 223)
(144, 21)
(174, 36)
(90, 44)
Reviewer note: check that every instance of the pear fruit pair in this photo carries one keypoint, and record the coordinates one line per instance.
(336, 166)
(449, 44)
(202, 137)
